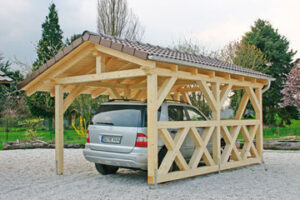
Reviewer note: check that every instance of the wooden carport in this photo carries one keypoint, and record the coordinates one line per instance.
(98, 64)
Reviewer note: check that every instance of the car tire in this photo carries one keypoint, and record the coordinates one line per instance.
(162, 153)
(106, 169)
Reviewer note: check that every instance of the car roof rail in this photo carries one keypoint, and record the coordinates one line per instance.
(174, 101)
(112, 100)
(166, 100)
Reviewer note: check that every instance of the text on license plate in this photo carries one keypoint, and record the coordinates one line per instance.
(111, 139)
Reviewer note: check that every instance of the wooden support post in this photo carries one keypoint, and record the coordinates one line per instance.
(216, 115)
(98, 64)
(127, 93)
(152, 126)
(259, 116)
(59, 129)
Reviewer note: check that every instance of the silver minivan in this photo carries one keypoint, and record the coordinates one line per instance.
(117, 135)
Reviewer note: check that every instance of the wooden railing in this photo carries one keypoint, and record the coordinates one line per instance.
(202, 161)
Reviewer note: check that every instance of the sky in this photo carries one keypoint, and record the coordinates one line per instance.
(211, 23)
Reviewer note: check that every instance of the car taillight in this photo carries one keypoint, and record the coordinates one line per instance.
(88, 136)
(141, 140)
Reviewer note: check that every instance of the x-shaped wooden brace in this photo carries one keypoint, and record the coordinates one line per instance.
(248, 145)
(173, 147)
(201, 149)
(230, 138)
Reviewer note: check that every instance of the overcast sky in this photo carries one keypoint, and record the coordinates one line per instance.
(213, 23)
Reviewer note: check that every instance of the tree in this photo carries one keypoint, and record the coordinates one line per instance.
(248, 56)
(40, 103)
(72, 38)
(291, 90)
(12, 101)
(116, 19)
(187, 45)
(275, 48)
(51, 41)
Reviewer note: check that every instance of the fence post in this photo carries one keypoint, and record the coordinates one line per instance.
(6, 130)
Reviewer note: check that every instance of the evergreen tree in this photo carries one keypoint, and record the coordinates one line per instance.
(248, 56)
(51, 41)
(40, 103)
(275, 48)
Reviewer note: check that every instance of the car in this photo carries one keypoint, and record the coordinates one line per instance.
(117, 135)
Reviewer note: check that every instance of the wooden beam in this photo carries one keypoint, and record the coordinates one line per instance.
(253, 99)
(124, 56)
(204, 77)
(259, 116)
(224, 93)
(71, 96)
(208, 95)
(242, 106)
(59, 129)
(152, 127)
(99, 77)
(97, 92)
(164, 90)
(114, 93)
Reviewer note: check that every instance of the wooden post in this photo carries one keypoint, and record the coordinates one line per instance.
(152, 126)
(59, 130)
(259, 116)
(216, 115)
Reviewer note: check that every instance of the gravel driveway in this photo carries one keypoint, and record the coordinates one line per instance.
(30, 174)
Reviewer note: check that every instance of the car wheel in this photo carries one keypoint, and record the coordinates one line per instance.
(106, 169)
(162, 153)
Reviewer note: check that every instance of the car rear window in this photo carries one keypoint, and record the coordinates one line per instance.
(119, 115)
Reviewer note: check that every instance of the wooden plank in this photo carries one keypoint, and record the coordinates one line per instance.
(114, 93)
(242, 106)
(224, 93)
(248, 141)
(98, 77)
(203, 77)
(164, 90)
(174, 152)
(127, 93)
(98, 65)
(97, 92)
(152, 126)
(182, 124)
(201, 147)
(124, 56)
(259, 116)
(76, 91)
(253, 99)
(211, 101)
(59, 130)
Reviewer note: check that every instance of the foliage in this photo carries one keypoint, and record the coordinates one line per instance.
(81, 130)
(275, 49)
(31, 128)
(194, 47)
(116, 19)
(40, 103)
(71, 39)
(291, 90)
(12, 101)
(246, 55)
(51, 41)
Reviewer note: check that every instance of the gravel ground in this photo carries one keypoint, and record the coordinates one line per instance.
(30, 174)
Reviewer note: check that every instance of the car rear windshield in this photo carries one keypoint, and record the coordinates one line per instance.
(120, 115)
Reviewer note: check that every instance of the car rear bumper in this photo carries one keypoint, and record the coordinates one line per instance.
(137, 158)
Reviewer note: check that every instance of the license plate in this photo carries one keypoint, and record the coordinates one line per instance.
(111, 139)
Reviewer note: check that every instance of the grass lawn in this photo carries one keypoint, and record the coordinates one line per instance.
(70, 136)
(276, 133)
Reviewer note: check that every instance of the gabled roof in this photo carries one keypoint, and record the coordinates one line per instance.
(4, 78)
(149, 52)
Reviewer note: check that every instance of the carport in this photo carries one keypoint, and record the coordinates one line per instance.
(98, 64)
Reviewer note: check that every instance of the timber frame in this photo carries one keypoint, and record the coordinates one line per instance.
(95, 69)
